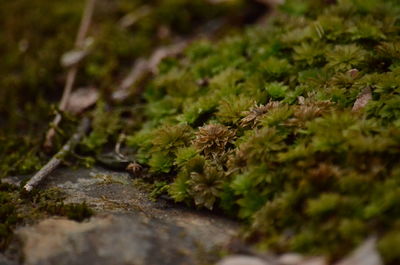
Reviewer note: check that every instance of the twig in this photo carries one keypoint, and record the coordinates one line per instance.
(71, 76)
(142, 66)
(57, 159)
(117, 148)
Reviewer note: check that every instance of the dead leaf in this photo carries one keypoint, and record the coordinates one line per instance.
(363, 98)
(143, 67)
(81, 99)
(72, 57)
(132, 18)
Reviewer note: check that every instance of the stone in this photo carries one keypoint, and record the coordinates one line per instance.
(365, 254)
(314, 261)
(290, 259)
(298, 259)
(111, 239)
(242, 260)
(6, 261)
(128, 227)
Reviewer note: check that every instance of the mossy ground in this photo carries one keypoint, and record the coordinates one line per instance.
(34, 36)
(262, 124)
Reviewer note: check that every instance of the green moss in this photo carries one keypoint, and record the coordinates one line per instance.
(259, 124)
(279, 144)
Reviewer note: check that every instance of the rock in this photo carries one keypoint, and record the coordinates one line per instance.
(6, 261)
(128, 228)
(314, 261)
(111, 239)
(297, 259)
(290, 259)
(366, 254)
(242, 260)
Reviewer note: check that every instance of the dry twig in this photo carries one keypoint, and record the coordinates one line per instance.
(71, 76)
(142, 67)
(57, 159)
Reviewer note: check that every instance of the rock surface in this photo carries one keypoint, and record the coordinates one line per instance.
(6, 261)
(242, 260)
(366, 254)
(128, 228)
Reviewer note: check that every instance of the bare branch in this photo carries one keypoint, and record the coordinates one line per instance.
(141, 67)
(71, 76)
(57, 159)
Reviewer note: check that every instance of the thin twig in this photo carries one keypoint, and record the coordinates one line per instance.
(117, 148)
(71, 76)
(142, 67)
(57, 159)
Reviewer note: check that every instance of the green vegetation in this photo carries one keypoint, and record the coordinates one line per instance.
(261, 125)
(34, 36)
(292, 127)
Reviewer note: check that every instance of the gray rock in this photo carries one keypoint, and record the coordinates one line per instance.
(366, 254)
(290, 259)
(242, 260)
(314, 261)
(6, 261)
(298, 259)
(128, 228)
(111, 239)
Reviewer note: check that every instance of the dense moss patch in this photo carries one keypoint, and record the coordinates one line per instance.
(268, 126)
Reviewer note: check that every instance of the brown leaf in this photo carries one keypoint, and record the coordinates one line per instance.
(82, 99)
(363, 98)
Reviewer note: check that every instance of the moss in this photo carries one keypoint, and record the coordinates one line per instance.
(259, 124)
(279, 144)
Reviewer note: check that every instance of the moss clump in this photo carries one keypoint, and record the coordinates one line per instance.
(275, 140)
(18, 207)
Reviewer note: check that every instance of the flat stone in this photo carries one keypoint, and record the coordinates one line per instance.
(365, 254)
(6, 261)
(128, 228)
(242, 260)
(290, 259)
(110, 239)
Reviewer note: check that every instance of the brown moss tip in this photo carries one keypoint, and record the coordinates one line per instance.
(212, 139)
(255, 113)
